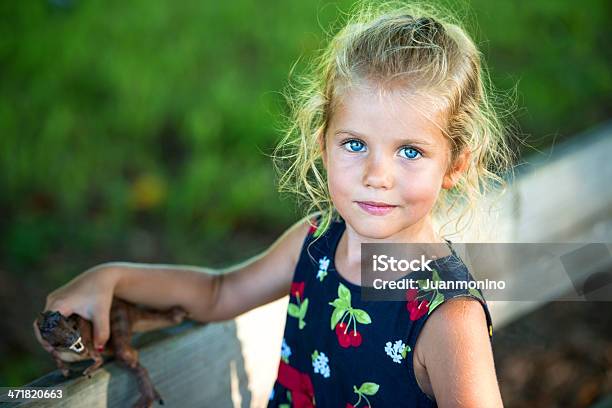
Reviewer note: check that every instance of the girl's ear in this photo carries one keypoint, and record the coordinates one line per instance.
(459, 166)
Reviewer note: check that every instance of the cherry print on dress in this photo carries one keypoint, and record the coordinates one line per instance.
(298, 309)
(367, 388)
(342, 309)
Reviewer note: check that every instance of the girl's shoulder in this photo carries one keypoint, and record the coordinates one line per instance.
(448, 280)
(456, 332)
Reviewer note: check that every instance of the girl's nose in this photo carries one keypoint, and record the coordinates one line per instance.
(378, 173)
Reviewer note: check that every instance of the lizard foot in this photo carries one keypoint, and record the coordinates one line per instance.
(88, 371)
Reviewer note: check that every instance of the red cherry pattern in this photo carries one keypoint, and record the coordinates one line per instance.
(367, 388)
(347, 339)
(343, 309)
(411, 294)
(297, 289)
(344, 339)
(417, 308)
(355, 338)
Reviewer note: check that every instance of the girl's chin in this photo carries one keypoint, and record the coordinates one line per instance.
(373, 227)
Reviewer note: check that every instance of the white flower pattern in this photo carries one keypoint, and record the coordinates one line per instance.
(323, 265)
(320, 364)
(396, 351)
(285, 351)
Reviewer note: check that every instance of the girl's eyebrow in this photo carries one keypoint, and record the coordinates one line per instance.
(403, 141)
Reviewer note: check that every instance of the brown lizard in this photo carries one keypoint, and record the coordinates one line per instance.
(72, 340)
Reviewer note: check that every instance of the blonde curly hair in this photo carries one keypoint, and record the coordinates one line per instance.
(396, 44)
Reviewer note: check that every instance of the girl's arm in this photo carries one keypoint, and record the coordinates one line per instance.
(213, 295)
(455, 348)
(206, 294)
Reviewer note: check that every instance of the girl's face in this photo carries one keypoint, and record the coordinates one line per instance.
(386, 161)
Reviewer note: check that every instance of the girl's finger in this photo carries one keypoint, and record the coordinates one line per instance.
(62, 307)
(101, 329)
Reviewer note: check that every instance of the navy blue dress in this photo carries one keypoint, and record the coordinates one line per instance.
(340, 351)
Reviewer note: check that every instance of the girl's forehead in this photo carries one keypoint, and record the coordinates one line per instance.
(390, 114)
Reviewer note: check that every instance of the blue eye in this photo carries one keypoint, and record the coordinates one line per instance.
(354, 146)
(410, 153)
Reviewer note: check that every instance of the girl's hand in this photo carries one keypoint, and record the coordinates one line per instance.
(90, 296)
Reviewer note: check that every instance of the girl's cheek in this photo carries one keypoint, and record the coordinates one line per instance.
(343, 183)
(345, 167)
(418, 193)
(344, 160)
(339, 183)
(420, 186)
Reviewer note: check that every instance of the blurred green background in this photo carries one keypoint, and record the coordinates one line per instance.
(141, 130)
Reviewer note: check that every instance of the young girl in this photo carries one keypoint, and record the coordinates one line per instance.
(393, 128)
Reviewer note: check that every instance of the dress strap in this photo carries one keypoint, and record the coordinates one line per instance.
(450, 246)
(321, 241)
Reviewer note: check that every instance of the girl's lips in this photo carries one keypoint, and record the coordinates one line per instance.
(375, 208)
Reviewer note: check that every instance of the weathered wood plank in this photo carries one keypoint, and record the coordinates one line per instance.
(192, 369)
(226, 364)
